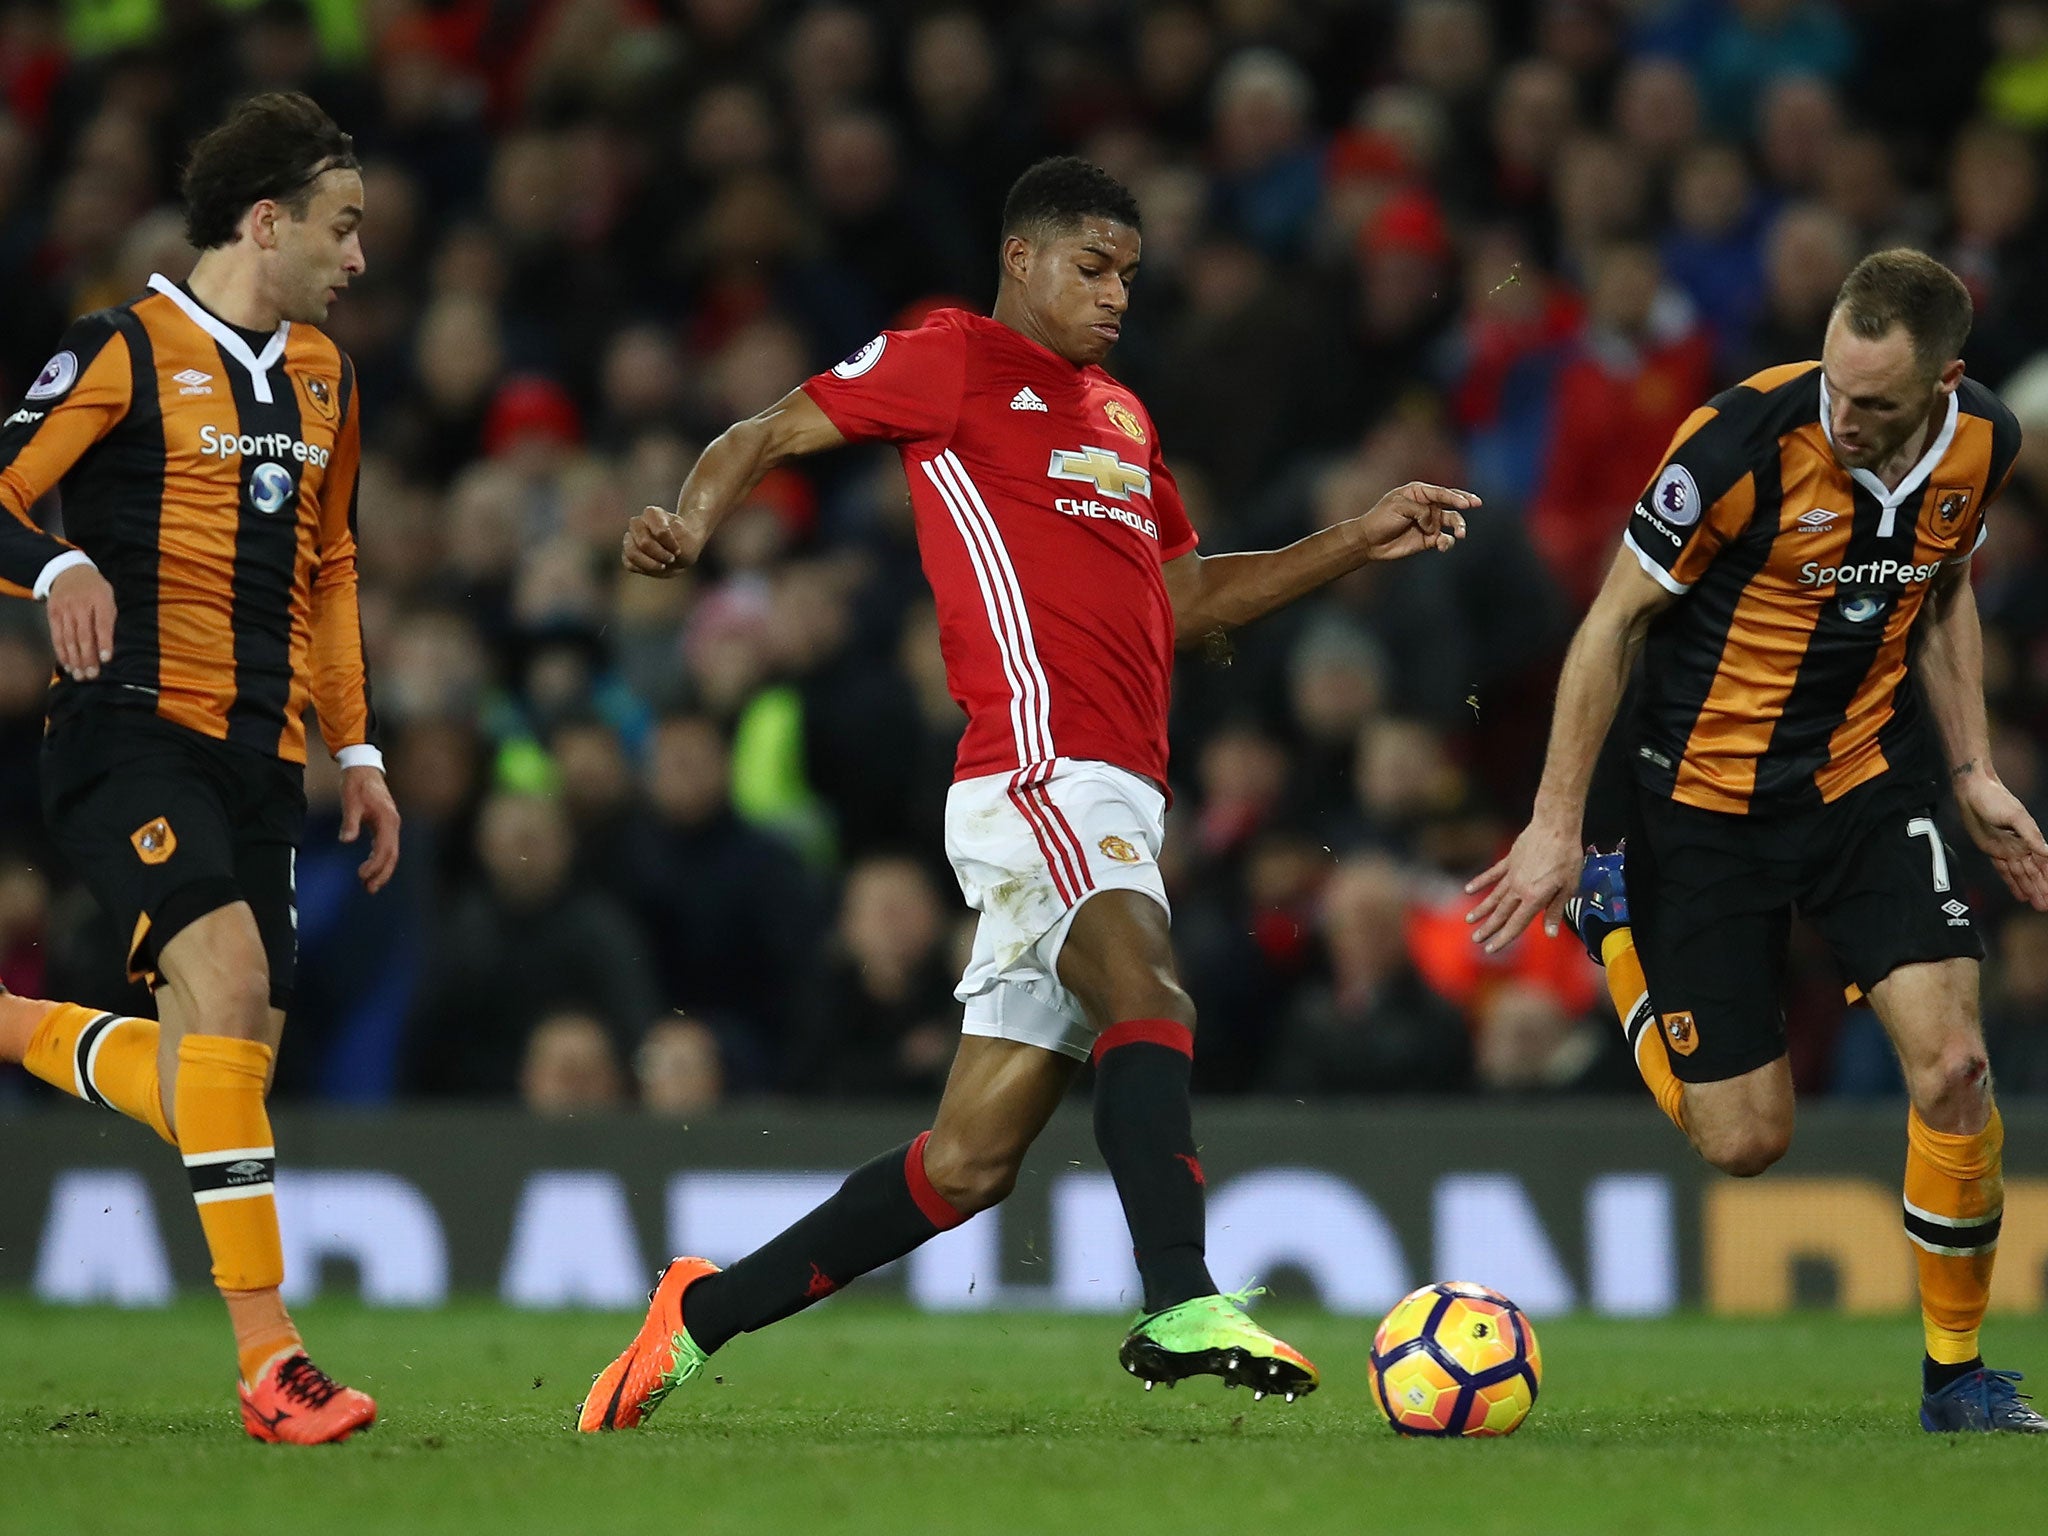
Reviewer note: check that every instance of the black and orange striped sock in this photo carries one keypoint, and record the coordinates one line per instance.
(224, 1133)
(1631, 994)
(1955, 1197)
(1145, 1128)
(104, 1058)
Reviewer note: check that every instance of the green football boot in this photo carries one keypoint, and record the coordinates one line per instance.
(1215, 1336)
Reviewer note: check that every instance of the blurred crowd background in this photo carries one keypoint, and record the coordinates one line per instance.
(671, 842)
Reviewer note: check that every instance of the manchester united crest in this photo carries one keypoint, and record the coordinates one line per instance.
(1118, 848)
(1126, 420)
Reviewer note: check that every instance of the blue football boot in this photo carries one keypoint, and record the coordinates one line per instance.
(1984, 1401)
(1601, 903)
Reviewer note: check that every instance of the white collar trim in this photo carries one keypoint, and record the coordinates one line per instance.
(1915, 477)
(258, 366)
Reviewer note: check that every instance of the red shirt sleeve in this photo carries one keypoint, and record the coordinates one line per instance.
(1176, 533)
(902, 387)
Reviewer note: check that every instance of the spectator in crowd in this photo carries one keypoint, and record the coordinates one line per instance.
(599, 794)
(1374, 1026)
(1758, 41)
(727, 909)
(1713, 249)
(570, 1067)
(1995, 241)
(1268, 178)
(1515, 333)
(680, 1067)
(2016, 84)
(1657, 111)
(885, 1021)
(1801, 122)
(1642, 363)
(1808, 250)
(2016, 1010)
(522, 943)
(1530, 1043)
(1534, 114)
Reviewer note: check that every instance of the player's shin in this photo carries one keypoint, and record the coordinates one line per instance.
(1631, 994)
(885, 1209)
(224, 1134)
(1145, 1128)
(1955, 1195)
(103, 1058)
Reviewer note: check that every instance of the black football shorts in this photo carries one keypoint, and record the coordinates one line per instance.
(1711, 898)
(165, 825)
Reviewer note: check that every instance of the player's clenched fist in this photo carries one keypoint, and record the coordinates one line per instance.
(653, 544)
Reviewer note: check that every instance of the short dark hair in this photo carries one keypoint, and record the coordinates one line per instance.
(1058, 193)
(1909, 288)
(273, 146)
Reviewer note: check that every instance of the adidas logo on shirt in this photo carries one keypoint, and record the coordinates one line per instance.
(1025, 400)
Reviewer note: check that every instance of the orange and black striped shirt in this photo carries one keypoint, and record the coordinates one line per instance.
(1781, 680)
(210, 473)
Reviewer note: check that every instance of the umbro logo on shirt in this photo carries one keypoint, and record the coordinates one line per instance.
(194, 382)
(1026, 400)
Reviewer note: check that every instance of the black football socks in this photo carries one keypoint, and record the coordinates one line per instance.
(883, 1210)
(1145, 1129)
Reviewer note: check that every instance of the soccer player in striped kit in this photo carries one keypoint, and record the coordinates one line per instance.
(1065, 570)
(206, 436)
(1797, 577)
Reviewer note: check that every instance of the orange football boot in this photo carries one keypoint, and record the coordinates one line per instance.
(297, 1403)
(661, 1357)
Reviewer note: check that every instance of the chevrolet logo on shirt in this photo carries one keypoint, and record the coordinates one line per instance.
(1102, 469)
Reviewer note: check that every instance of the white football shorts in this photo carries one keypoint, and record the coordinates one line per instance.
(1028, 847)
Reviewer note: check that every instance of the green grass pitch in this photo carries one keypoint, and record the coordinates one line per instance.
(866, 1418)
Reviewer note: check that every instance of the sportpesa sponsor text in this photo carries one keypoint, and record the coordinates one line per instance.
(217, 444)
(1867, 573)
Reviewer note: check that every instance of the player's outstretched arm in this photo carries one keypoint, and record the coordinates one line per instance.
(1219, 592)
(1951, 667)
(662, 543)
(1543, 866)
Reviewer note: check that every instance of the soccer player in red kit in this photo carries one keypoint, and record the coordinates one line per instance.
(1064, 569)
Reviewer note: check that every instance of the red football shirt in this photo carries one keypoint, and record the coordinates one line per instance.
(1044, 512)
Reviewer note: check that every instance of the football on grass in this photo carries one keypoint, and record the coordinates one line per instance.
(1455, 1359)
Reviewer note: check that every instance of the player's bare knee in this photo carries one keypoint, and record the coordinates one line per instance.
(1163, 997)
(1953, 1087)
(227, 994)
(241, 1004)
(217, 970)
(970, 1179)
(1746, 1151)
(1147, 992)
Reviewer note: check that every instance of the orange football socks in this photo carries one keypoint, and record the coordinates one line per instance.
(1955, 1196)
(1631, 994)
(224, 1133)
(103, 1058)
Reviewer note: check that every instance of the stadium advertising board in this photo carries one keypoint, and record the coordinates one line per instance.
(1562, 1206)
